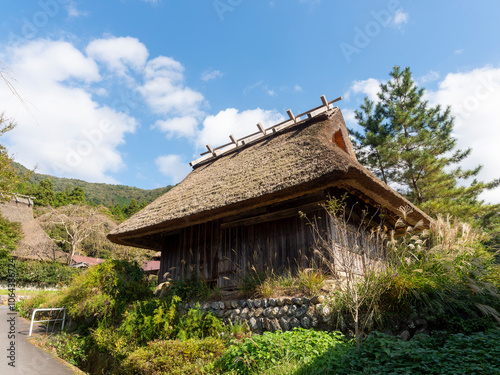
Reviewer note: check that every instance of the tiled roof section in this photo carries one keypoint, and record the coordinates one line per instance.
(306, 154)
(89, 260)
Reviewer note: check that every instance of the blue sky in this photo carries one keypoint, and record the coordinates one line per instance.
(130, 91)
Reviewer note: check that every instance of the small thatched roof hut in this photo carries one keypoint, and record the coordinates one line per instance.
(245, 201)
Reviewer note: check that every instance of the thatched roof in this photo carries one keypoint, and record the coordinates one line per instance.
(313, 154)
(36, 244)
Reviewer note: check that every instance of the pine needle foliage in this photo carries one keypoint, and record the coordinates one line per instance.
(410, 145)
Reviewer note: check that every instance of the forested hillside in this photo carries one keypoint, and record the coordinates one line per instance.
(97, 193)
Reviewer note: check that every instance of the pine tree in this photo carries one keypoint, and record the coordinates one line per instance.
(410, 146)
(45, 195)
(77, 196)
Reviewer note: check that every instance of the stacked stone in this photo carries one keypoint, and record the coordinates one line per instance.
(272, 314)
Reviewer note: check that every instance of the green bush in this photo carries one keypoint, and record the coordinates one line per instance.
(381, 354)
(149, 320)
(198, 324)
(174, 357)
(39, 272)
(102, 292)
(71, 348)
(260, 353)
(191, 288)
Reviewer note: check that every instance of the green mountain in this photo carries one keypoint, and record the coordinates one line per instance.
(98, 193)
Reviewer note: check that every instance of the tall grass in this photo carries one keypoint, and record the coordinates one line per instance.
(442, 271)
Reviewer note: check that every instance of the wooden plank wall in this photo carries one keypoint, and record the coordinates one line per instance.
(226, 255)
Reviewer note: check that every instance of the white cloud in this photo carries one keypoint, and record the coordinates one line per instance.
(178, 126)
(73, 11)
(297, 88)
(211, 74)
(173, 167)
(66, 132)
(349, 118)
(474, 97)
(369, 87)
(119, 54)
(265, 88)
(216, 129)
(459, 51)
(165, 92)
(429, 77)
(400, 18)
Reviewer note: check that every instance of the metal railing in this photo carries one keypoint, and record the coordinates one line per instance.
(48, 320)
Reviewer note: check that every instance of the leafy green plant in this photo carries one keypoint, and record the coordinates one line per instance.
(258, 354)
(70, 347)
(198, 324)
(149, 320)
(382, 354)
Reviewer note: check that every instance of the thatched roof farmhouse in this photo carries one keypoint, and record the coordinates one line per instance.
(239, 206)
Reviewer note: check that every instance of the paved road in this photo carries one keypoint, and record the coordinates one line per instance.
(29, 359)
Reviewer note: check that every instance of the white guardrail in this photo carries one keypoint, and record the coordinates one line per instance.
(49, 320)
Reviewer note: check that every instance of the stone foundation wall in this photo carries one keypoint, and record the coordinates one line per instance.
(271, 314)
(28, 286)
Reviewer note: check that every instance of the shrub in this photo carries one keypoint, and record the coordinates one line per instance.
(148, 320)
(381, 354)
(198, 324)
(259, 353)
(174, 357)
(39, 272)
(71, 348)
(103, 291)
(455, 277)
(190, 288)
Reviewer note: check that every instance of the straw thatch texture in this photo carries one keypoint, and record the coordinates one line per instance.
(309, 156)
(36, 244)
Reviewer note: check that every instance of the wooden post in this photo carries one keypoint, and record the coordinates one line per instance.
(323, 99)
(261, 128)
(233, 139)
(290, 114)
(211, 150)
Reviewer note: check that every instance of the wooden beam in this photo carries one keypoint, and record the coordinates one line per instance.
(289, 212)
(233, 139)
(261, 128)
(324, 101)
(290, 114)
